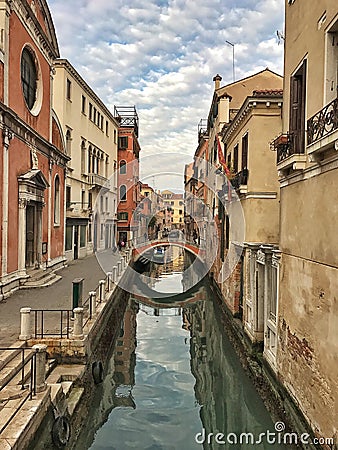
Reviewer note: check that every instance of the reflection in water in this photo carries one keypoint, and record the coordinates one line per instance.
(182, 377)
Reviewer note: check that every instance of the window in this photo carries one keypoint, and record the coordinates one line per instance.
(83, 199)
(123, 193)
(122, 215)
(68, 142)
(68, 197)
(229, 160)
(90, 200)
(114, 136)
(297, 108)
(331, 77)
(94, 115)
(83, 157)
(245, 151)
(123, 142)
(68, 89)
(180, 211)
(107, 128)
(236, 158)
(57, 200)
(90, 111)
(28, 78)
(123, 167)
(83, 105)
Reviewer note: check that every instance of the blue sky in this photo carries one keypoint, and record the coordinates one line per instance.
(162, 55)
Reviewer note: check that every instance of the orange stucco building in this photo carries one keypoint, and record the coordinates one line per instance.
(32, 161)
(128, 225)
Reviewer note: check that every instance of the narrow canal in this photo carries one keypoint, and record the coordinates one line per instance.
(174, 378)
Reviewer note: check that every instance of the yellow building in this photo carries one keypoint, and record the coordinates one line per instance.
(175, 202)
(91, 133)
(307, 161)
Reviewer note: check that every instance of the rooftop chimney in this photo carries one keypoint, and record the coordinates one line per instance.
(217, 79)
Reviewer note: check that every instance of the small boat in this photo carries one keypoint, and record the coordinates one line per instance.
(158, 255)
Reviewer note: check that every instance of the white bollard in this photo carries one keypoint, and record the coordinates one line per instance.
(92, 299)
(78, 323)
(40, 366)
(119, 268)
(114, 274)
(109, 277)
(102, 289)
(25, 330)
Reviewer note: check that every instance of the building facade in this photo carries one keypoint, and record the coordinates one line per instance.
(128, 225)
(307, 162)
(91, 132)
(33, 160)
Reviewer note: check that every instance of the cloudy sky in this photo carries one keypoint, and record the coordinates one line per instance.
(161, 56)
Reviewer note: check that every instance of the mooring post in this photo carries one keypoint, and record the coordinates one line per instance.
(102, 289)
(78, 323)
(119, 264)
(114, 274)
(108, 281)
(25, 329)
(92, 299)
(40, 366)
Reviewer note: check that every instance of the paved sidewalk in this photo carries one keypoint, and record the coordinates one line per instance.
(56, 296)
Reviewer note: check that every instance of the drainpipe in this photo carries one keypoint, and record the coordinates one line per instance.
(7, 136)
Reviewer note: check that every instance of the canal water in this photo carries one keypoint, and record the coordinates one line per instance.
(174, 380)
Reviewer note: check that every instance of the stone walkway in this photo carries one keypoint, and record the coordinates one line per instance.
(56, 296)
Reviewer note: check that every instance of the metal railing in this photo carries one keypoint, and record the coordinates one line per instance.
(240, 179)
(323, 122)
(41, 321)
(29, 388)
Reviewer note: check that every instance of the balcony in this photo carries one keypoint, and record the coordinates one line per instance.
(97, 180)
(290, 152)
(322, 130)
(240, 181)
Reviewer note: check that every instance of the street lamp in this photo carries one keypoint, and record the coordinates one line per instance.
(233, 59)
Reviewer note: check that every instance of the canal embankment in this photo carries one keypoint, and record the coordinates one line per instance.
(274, 395)
(56, 362)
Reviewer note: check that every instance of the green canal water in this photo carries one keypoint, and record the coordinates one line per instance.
(174, 380)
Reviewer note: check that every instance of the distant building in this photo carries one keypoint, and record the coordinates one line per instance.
(128, 173)
(33, 159)
(175, 204)
(90, 131)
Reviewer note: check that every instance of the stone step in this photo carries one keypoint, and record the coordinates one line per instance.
(7, 355)
(47, 280)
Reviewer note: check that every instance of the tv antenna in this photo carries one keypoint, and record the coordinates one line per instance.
(280, 36)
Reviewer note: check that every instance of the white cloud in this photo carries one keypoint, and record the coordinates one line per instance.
(162, 55)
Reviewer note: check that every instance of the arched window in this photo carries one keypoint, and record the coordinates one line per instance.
(123, 167)
(28, 77)
(57, 200)
(83, 157)
(123, 193)
(68, 142)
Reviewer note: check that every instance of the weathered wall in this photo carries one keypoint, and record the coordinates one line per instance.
(308, 346)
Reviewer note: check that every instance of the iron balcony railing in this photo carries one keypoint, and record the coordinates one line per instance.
(240, 179)
(285, 146)
(323, 122)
